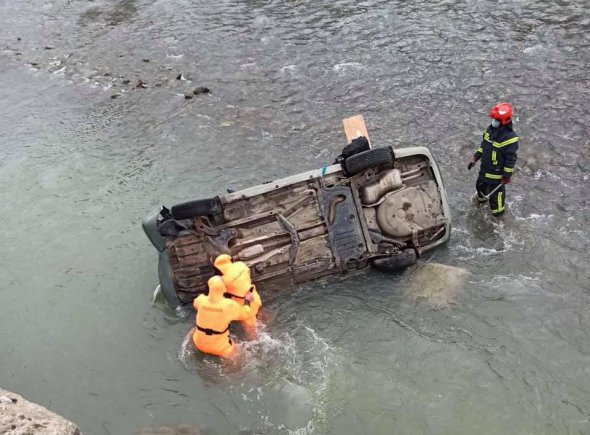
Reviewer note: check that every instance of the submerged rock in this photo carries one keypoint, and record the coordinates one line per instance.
(201, 90)
(181, 429)
(293, 405)
(436, 284)
(19, 416)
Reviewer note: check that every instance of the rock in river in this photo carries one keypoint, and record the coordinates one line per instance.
(19, 416)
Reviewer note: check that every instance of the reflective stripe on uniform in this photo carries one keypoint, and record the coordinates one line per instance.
(508, 169)
(506, 142)
(494, 160)
(500, 204)
(486, 136)
(493, 176)
(479, 150)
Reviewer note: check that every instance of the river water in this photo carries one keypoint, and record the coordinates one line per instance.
(85, 153)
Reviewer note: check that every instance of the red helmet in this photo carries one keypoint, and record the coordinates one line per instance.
(502, 112)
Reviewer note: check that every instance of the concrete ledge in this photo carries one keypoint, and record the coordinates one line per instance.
(21, 417)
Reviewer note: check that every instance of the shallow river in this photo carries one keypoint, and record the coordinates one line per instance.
(85, 153)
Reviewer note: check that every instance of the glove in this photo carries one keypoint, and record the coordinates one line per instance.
(470, 165)
(505, 180)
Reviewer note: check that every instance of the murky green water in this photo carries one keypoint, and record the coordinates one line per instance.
(79, 169)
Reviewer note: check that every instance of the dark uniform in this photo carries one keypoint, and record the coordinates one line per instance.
(498, 156)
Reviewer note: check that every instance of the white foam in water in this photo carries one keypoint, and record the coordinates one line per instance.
(185, 353)
(541, 173)
(60, 72)
(347, 65)
(529, 278)
(489, 251)
(507, 239)
(291, 373)
(534, 49)
(283, 378)
(534, 217)
(157, 292)
(288, 68)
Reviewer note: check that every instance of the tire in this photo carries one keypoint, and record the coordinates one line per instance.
(395, 262)
(200, 207)
(150, 227)
(358, 145)
(166, 280)
(368, 159)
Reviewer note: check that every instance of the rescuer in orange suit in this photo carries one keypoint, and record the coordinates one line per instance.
(236, 277)
(214, 314)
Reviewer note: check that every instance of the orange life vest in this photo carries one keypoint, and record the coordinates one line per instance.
(214, 315)
(236, 277)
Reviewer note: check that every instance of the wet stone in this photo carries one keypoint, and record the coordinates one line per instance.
(201, 90)
(20, 416)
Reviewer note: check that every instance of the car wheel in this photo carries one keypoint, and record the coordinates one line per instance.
(368, 159)
(167, 281)
(395, 262)
(200, 207)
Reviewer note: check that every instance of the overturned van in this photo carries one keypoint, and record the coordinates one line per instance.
(376, 207)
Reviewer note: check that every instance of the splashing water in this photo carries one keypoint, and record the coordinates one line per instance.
(282, 379)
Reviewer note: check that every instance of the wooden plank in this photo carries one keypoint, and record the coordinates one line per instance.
(355, 127)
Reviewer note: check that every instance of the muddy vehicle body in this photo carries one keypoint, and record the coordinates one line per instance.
(379, 207)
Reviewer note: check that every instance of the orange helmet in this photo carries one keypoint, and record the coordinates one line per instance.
(502, 112)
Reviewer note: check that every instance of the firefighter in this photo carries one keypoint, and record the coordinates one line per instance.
(214, 314)
(236, 277)
(497, 153)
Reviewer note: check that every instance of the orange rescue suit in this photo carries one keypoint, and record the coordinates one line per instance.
(236, 277)
(214, 314)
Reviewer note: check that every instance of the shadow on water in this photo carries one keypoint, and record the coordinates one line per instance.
(110, 14)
